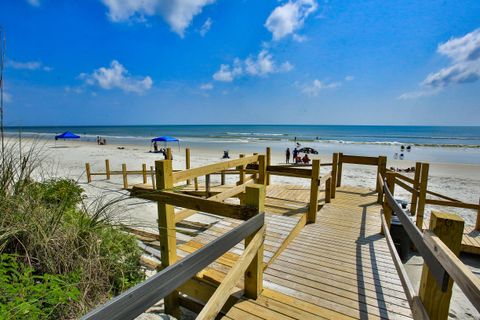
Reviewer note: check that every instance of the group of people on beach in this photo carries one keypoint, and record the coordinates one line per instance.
(296, 157)
(101, 141)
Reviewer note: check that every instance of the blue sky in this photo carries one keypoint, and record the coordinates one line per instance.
(241, 61)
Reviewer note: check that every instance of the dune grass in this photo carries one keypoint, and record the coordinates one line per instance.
(59, 257)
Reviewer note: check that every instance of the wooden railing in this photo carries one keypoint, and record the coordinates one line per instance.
(250, 262)
(380, 162)
(138, 299)
(439, 248)
(418, 188)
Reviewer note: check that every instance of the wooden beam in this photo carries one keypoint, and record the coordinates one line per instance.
(195, 203)
(207, 186)
(289, 171)
(181, 215)
(416, 186)
(124, 175)
(268, 163)
(152, 174)
(452, 204)
(340, 168)
(463, 277)
(422, 194)
(222, 177)
(334, 174)
(144, 173)
(241, 171)
(87, 171)
(418, 310)
(221, 295)
(187, 162)
(449, 229)
(313, 204)
(405, 186)
(212, 168)
(381, 169)
(107, 168)
(262, 169)
(328, 190)
(477, 224)
(387, 210)
(166, 229)
(169, 154)
(371, 161)
(255, 198)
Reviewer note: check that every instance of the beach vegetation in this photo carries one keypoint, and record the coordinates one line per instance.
(60, 257)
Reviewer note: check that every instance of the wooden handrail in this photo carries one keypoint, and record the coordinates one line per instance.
(211, 168)
(418, 310)
(136, 300)
(405, 186)
(455, 204)
(463, 276)
(199, 204)
(372, 161)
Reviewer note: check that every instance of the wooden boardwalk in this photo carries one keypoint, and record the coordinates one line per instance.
(338, 268)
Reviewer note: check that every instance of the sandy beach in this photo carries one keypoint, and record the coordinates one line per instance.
(68, 158)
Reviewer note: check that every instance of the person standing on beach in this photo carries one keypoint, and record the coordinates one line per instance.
(287, 156)
(295, 154)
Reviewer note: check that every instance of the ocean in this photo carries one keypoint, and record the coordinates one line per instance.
(427, 143)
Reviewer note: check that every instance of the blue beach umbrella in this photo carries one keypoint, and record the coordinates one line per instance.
(67, 135)
(166, 139)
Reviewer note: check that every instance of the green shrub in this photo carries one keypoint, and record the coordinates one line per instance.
(24, 295)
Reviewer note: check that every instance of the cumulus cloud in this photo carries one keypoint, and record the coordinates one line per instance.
(286, 19)
(116, 76)
(464, 53)
(177, 13)
(28, 65)
(261, 65)
(313, 89)
(206, 86)
(205, 27)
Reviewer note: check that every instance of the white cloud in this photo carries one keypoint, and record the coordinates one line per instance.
(314, 88)
(299, 38)
(206, 86)
(177, 13)
(116, 76)
(349, 78)
(28, 65)
(7, 97)
(464, 53)
(205, 27)
(35, 3)
(261, 65)
(289, 17)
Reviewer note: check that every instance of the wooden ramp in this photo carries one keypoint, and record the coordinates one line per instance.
(338, 268)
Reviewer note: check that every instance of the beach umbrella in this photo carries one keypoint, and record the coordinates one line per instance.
(67, 135)
(166, 139)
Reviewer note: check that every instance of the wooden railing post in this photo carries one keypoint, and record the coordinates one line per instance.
(313, 207)
(222, 177)
(107, 168)
(328, 190)
(124, 174)
(262, 169)
(422, 195)
(387, 211)
(207, 186)
(416, 186)
(144, 173)
(477, 224)
(241, 169)
(254, 197)
(152, 173)
(449, 229)
(339, 171)
(169, 154)
(187, 162)
(268, 160)
(381, 169)
(87, 171)
(334, 175)
(166, 229)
